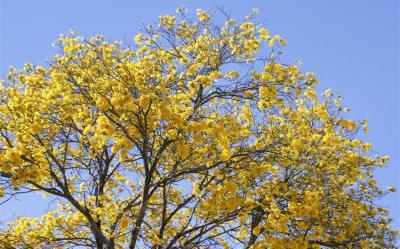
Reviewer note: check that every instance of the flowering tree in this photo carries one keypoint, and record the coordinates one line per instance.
(196, 136)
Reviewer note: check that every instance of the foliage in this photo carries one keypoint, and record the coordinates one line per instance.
(196, 136)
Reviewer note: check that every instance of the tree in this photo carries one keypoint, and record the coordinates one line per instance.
(196, 136)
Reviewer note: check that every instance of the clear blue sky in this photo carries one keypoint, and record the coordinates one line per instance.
(352, 46)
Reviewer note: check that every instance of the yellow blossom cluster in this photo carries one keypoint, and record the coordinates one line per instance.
(197, 138)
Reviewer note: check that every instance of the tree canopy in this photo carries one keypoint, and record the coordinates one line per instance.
(196, 135)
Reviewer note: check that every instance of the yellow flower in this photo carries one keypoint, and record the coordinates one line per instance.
(138, 39)
(233, 74)
(124, 223)
(256, 11)
(167, 21)
(202, 15)
(263, 34)
(310, 94)
(83, 186)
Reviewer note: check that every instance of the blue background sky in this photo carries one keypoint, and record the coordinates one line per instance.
(352, 46)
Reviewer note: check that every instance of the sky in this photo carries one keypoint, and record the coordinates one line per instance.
(352, 46)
